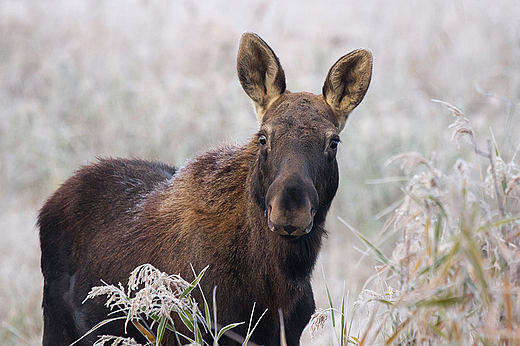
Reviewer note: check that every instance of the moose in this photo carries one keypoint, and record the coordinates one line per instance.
(254, 213)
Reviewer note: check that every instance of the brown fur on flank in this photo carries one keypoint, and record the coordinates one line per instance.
(253, 213)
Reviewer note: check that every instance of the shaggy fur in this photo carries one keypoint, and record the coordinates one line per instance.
(253, 213)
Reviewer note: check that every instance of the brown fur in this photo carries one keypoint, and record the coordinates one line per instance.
(253, 213)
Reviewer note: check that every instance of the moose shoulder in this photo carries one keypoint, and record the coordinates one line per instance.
(254, 213)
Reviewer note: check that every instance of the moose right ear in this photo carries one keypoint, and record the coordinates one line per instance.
(259, 72)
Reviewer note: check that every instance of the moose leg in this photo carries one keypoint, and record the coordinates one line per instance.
(297, 321)
(59, 328)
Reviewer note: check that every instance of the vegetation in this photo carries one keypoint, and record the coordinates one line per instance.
(151, 301)
(157, 80)
(453, 277)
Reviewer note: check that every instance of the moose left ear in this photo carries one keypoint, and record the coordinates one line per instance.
(347, 83)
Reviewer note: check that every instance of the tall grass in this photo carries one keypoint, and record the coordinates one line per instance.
(153, 300)
(157, 80)
(453, 277)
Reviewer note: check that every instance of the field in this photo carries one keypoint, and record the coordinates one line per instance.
(157, 80)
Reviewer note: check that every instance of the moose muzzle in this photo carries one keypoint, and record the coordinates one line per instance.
(291, 204)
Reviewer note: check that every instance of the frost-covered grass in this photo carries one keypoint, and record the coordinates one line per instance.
(453, 277)
(157, 80)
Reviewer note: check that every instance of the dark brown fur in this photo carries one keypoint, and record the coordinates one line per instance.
(253, 213)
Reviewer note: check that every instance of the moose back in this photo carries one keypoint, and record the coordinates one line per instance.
(254, 213)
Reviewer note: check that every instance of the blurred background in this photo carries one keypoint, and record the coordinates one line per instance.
(157, 80)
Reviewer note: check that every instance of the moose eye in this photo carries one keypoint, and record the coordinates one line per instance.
(333, 144)
(262, 139)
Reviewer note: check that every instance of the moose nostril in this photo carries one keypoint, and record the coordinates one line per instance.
(289, 229)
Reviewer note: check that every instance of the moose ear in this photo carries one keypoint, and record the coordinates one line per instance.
(260, 72)
(347, 83)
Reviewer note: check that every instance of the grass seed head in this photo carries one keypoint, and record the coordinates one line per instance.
(115, 341)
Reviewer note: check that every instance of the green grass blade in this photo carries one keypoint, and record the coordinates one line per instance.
(379, 255)
(194, 283)
(342, 323)
(215, 324)
(474, 256)
(160, 330)
(249, 333)
(437, 302)
(330, 301)
(437, 237)
(207, 313)
(187, 320)
(225, 329)
(99, 325)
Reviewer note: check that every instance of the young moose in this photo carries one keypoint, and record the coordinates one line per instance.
(254, 213)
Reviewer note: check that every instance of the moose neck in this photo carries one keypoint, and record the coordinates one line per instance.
(216, 192)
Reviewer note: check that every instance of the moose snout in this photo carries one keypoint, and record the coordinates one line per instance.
(291, 205)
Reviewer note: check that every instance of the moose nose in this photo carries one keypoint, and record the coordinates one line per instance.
(289, 229)
(291, 205)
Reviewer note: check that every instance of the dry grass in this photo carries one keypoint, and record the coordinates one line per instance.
(453, 277)
(153, 298)
(157, 80)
